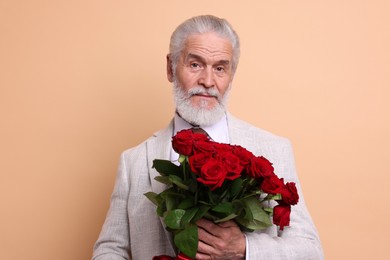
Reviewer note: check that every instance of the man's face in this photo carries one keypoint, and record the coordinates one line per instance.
(203, 77)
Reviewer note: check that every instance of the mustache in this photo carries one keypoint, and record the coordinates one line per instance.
(203, 91)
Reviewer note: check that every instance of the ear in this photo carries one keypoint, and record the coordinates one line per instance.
(169, 69)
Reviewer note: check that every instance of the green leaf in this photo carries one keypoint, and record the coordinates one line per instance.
(163, 179)
(253, 205)
(187, 240)
(201, 212)
(161, 208)
(224, 207)
(223, 192)
(212, 196)
(253, 224)
(158, 200)
(188, 202)
(238, 206)
(229, 217)
(165, 167)
(255, 217)
(236, 187)
(188, 216)
(173, 218)
(178, 181)
(171, 191)
(171, 198)
(170, 202)
(152, 197)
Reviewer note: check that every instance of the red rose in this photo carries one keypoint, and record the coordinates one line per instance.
(290, 193)
(182, 256)
(272, 185)
(243, 154)
(260, 167)
(204, 146)
(163, 257)
(221, 147)
(212, 174)
(231, 164)
(183, 141)
(281, 215)
(198, 160)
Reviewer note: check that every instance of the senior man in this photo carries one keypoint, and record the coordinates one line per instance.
(202, 60)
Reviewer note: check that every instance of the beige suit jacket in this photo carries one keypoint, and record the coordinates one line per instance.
(132, 229)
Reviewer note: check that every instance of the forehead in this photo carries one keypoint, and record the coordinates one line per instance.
(209, 46)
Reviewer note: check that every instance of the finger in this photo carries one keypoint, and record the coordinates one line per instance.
(201, 256)
(206, 238)
(205, 249)
(228, 224)
(209, 226)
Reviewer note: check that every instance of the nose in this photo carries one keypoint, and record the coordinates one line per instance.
(206, 78)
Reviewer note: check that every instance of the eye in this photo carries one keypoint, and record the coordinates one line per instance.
(220, 69)
(194, 65)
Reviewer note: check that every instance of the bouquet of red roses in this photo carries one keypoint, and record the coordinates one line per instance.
(219, 182)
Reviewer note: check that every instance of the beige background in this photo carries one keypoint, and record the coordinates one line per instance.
(80, 81)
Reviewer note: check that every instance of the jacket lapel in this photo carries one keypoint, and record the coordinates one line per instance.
(243, 134)
(235, 130)
(159, 147)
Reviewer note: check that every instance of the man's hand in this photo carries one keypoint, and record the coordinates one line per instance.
(220, 241)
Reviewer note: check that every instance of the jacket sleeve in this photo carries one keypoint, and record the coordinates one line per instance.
(300, 240)
(114, 240)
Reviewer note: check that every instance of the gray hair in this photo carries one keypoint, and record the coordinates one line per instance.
(199, 25)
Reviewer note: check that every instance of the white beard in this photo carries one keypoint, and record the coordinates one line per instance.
(202, 115)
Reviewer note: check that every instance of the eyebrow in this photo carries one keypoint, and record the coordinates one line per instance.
(197, 57)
